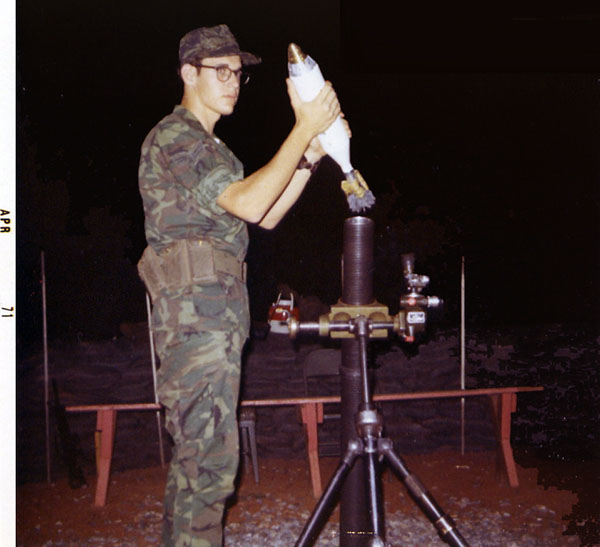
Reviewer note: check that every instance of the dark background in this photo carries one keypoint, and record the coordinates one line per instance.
(478, 134)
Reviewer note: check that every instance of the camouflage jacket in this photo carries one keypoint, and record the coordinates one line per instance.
(182, 172)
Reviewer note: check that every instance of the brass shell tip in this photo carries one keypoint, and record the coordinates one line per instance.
(295, 54)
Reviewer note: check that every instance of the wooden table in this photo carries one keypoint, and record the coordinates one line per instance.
(503, 400)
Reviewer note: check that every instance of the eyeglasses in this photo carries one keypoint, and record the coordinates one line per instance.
(224, 73)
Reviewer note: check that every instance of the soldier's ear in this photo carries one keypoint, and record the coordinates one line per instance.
(189, 73)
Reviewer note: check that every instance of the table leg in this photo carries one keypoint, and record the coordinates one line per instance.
(105, 435)
(503, 406)
(312, 413)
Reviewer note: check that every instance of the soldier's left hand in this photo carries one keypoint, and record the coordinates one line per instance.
(315, 152)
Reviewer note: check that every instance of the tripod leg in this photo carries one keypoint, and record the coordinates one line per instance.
(374, 493)
(323, 507)
(443, 523)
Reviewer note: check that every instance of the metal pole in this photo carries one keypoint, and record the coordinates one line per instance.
(153, 358)
(357, 289)
(462, 355)
(46, 382)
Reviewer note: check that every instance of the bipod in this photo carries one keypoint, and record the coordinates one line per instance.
(370, 445)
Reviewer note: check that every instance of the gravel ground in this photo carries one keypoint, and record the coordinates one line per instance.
(273, 512)
(479, 527)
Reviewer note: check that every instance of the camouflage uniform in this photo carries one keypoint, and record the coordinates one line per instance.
(199, 330)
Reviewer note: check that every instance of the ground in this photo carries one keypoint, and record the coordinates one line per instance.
(465, 486)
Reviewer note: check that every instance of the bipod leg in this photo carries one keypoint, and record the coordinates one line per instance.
(324, 505)
(442, 522)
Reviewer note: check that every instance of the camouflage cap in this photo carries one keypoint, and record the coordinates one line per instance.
(212, 42)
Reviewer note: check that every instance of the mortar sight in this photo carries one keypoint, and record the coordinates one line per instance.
(415, 283)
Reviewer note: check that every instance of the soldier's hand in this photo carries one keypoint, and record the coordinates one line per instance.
(317, 115)
(314, 151)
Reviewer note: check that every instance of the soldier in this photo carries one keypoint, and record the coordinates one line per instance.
(197, 202)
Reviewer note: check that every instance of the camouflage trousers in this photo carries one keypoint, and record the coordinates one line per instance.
(198, 383)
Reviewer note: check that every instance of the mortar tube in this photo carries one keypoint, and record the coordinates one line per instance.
(357, 289)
